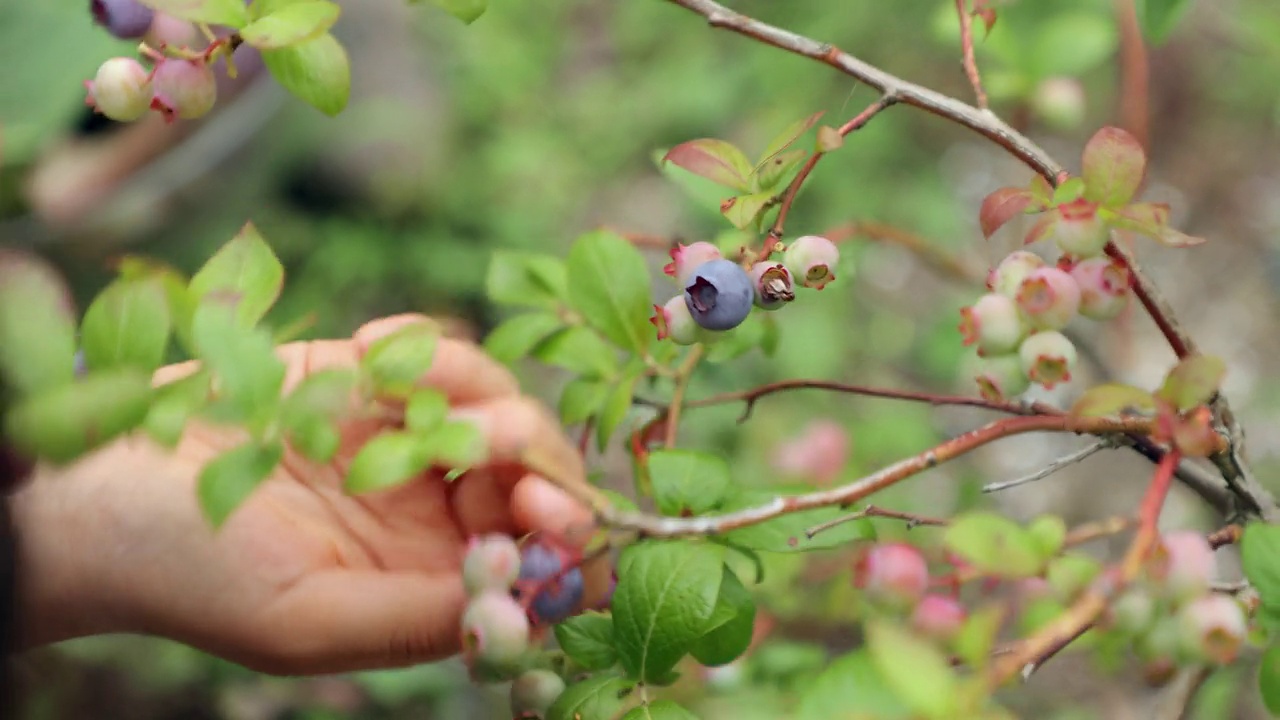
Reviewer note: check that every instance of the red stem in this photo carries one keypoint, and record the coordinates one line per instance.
(966, 45)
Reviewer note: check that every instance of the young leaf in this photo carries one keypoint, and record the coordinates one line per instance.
(292, 24)
(231, 13)
(995, 544)
(687, 481)
(527, 279)
(60, 424)
(243, 360)
(316, 438)
(325, 393)
(770, 175)
(1193, 381)
(1001, 206)
(978, 635)
(715, 160)
(1113, 399)
(426, 410)
(181, 300)
(516, 336)
(127, 325)
(731, 625)
(1158, 18)
(37, 325)
(666, 593)
(174, 404)
(609, 286)
(851, 681)
(615, 410)
(581, 398)
(456, 444)
(388, 460)
(395, 364)
(468, 11)
(1069, 191)
(579, 350)
(1113, 165)
(229, 479)
(660, 710)
(316, 72)
(914, 670)
(601, 697)
(1269, 679)
(745, 209)
(787, 138)
(245, 269)
(1260, 558)
(588, 639)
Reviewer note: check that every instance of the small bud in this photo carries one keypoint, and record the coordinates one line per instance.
(1059, 102)
(938, 617)
(892, 573)
(685, 258)
(1104, 287)
(994, 323)
(1048, 358)
(719, 295)
(772, 285)
(492, 562)
(1213, 628)
(534, 692)
(818, 453)
(676, 323)
(1049, 298)
(1079, 231)
(125, 19)
(1183, 563)
(1001, 377)
(1007, 277)
(183, 89)
(812, 259)
(495, 628)
(120, 90)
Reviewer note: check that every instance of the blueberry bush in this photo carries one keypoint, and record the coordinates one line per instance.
(946, 619)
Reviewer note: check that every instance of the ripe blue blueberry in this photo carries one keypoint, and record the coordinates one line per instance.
(719, 295)
(556, 595)
(126, 19)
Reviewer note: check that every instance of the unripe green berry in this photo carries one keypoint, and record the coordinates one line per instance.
(1048, 358)
(812, 260)
(1007, 277)
(1049, 298)
(994, 323)
(534, 692)
(495, 628)
(1001, 377)
(675, 322)
(772, 283)
(1079, 231)
(1213, 628)
(1183, 564)
(492, 562)
(1134, 611)
(120, 90)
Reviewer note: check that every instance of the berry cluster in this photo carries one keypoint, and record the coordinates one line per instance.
(718, 293)
(1017, 325)
(515, 591)
(894, 577)
(178, 85)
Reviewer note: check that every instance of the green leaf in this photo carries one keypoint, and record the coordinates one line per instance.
(588, 639)
(787, 533)
(316, 438)
(1071, 44)
(292, 24)
(579, 350)
(666, 594)
(597, 698)
(1269, 679)
(687, 480)
(62, 423)
(388, 460)
(249, 375)
(914, 670)
(744, 209)
(615, 410)
(1158, 18)
(527, 279)
(229, 479)
(770, 176)
(127, 325)
(173, 404)
(468, 11)
(231, 13)
(1113, 399)
(181, 300)
(516, 336)
(851, 681)
(426, 410)
(37, 325)
(609, 286)
(787, 138)
(994, 544)
(581, 399)
(731, 625)
(1193, 381)
(978, 635)
(1260, 557)
(660, 710)
(1049, 532)
(316, 72)
(1071, 573)
(395, 364)
(716, 160)
(245, 269)
(1113, 166)
(457, 444)
(324, 393)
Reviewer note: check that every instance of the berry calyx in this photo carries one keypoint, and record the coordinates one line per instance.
(772, 285)
(675, 322)
(895, 574)
(812, 260)
(1079, 231)
(1049, 298)
(1104, 287)
(686, 258)
(492, 562)
(1048, 358)
(495, 629)
(125, 19)
(183, 89)
(994, 323)
(1007, 277)
(120, 90)
(719, 295)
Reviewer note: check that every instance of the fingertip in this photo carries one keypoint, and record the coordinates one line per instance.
(539, 506)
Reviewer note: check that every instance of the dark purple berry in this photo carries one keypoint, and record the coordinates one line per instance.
(719, 295)
(557, 593)
(126, 19)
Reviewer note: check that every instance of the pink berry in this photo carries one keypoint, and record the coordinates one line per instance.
(1183, 563)
(183, 89)
(533, 693)
(772, 283)
(893, 573)
(1059, 102)
(169, 31)
(675, 322)
(994, 323)
(818, 453)
(1079, 231)
(939, 617)
(812, 259)
(495, 628)
(1213, 628)
(1049, 298)
(1001, 377)
(686, 258)
(1007, 277)
(1104, 287)
(120, 90)
(1048, 358)
(492, 562)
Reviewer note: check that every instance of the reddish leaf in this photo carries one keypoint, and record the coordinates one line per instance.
(1143, 218)
(1112, 399)
(1193, 381)
(1194, 435)
(715, 160)
(785, 138)
(1113, 166)
(1000, 206)
(987, 16)
(1042, 228)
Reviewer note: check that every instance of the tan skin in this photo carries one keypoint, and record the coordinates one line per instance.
(302, 578)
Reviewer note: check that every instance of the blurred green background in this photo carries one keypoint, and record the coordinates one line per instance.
(542, 121)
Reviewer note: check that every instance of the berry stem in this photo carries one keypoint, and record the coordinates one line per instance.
(677, 396)
(966, 47)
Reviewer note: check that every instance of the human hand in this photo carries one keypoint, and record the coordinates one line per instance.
(302, 578)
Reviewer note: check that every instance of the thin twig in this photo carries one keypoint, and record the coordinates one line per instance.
(966, 46)
(1051, 468)
(871, 511)
(677, 396)
(1097, 530)
(947, 265)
